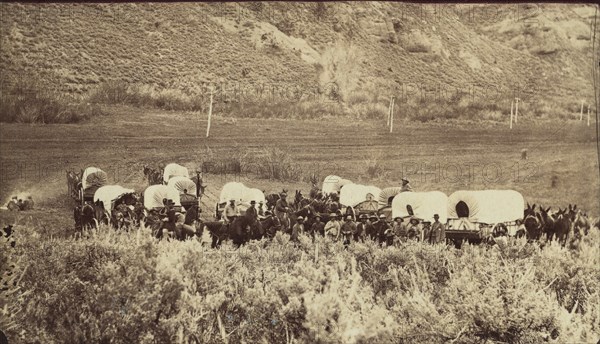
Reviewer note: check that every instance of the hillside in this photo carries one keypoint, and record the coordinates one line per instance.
(364, 52)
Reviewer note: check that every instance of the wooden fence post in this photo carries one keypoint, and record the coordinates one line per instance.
(209, 113)
(392, 115)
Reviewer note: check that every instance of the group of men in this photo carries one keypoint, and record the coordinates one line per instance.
(18, 204)
(374, 227)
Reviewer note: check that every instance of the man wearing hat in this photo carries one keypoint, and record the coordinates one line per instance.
(381, 227)
(281, 209)
(438, 231)
(348, 230)
(362, 228)
(252, 214)
(332, 227)
(399, 229)
(231, 212)
(270, 224)
(297, 229)
(413, 231)
(318, 228)
(405, 185)
(370, 231)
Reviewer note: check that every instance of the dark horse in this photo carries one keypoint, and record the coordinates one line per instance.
(85, 217)
(243, 229)
(533, 223)
(562, 226)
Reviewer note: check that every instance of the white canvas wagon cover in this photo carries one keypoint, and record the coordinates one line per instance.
(93, 176)
(386, 194)
(173, 170)
(333, 183)
(154, 194)
(354, 194)
(181, 183)
(486, 206)
(424, 205)
(232, 190)
(252, 194)
(107, 194)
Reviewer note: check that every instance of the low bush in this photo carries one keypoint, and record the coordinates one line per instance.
(128, 287)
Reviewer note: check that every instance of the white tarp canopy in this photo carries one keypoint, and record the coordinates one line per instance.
(172, 170)
(252, 195)
(354, 194)
(181, 183)
(93, 176)
(486, 206)
(333, 183)
(386, 194)
(107, 194)
(154, 195)
(232, 190)
(423, 204)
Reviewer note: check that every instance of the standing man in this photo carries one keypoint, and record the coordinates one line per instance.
(332, 228)
(362, 228)
(371, 231)
(413, 232)
(231, 212)
(318, 228)
(261, 209)
(348, 230)
(399, 229)
(297, 229)
(438, 231)
(381, 227)
(405, 185)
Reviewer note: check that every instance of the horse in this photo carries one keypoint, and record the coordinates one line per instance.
(270, 226)
(218, 231)
(272, 200)
(239, 233)
(547, 222)
(152, 175)
(85, 217)
(532, 222)
(562, 226)
(581, 223)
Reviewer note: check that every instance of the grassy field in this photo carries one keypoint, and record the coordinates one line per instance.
(73, 288)
(435, 156)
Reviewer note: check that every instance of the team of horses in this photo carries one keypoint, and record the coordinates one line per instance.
(565, 225)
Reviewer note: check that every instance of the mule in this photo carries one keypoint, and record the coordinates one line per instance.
(239, 232)
(533, 223)
(562, 226)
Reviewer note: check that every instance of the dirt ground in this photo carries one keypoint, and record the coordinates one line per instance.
(561, 165)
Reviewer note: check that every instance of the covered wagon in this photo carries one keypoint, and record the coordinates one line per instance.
(174, 170)
(362, 198)
(230, 191)
(252, 194)
(472, 214)
(188, 190)
(155, 195)
(422, 205)
(108, 197)
(333, 183)
(92, 179)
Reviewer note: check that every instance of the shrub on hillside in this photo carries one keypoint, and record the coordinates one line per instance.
(28, 103)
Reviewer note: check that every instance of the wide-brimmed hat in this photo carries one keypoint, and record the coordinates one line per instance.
(333, 215)
(404, 179)
(318, 216)
(382, 216)
(372, 216)
(398, 217)
(232, 200)
(363, 216)
(349, 217)
(283, 194)
(252, 202)
(300, 218)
